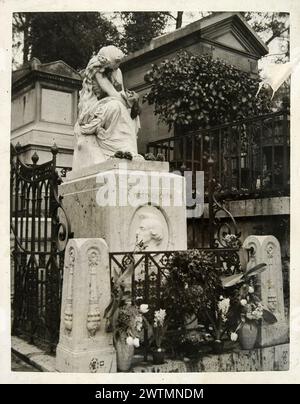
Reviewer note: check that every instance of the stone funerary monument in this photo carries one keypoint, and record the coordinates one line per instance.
(114, 204)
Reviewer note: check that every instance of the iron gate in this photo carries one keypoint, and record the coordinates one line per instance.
(39, 230)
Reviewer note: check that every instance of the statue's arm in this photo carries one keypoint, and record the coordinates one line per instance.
(107, 86)
(119, 77)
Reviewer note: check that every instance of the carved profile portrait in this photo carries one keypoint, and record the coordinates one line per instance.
(149, 227)
(150, 231)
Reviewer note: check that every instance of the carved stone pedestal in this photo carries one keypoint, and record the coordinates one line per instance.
(266, 249)
(122, 201)
(84, 346)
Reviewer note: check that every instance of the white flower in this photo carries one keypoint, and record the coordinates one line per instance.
(233, 336)
(223, 306)
(243, 302)
(139, 319)
(159, 317)
(129, 341)
(136, 342)
(221, 297)
(144, 308)
(251, 289)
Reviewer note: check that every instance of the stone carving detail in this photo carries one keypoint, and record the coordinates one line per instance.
(252, 258)
(150, 227)
(94, 365)
(150, 231)
(270, 250)
(272, 302)
(272, 295)
(68, 314)
(94, 316)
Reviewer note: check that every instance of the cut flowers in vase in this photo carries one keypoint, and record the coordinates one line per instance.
(157, 328)
(246, 306)
(124, 319)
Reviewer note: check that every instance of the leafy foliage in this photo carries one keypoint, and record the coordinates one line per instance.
(71, 37)
(192, 287)
(271, 26)
(141, 27)
(198, 91)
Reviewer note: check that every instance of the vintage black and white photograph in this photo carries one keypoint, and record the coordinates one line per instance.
(150, 191)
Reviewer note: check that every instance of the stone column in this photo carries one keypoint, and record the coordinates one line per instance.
(266, 249)
(84, 346)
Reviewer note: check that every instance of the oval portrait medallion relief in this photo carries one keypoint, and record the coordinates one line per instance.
(149, 226)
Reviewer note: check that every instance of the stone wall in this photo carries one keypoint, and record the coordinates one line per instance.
(264, 359)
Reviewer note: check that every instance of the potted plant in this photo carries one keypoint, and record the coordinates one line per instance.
(159, 328)
(193, 291)
(128, 325)
(124, 320)
(246, 310)
(192, 281)
(218, 319)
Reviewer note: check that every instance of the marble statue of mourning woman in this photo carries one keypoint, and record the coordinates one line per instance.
(108, 119)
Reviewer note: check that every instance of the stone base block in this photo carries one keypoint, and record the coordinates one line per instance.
(93, 361)
(170, 366)
(274, 334)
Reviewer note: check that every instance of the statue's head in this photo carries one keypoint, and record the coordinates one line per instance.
(113, 54)
(150, 231)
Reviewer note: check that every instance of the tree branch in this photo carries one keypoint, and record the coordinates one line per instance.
(170, 15)
(275, 35)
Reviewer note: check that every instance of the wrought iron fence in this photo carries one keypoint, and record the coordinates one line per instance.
(40, 230)
(149, 272)
(250, 157)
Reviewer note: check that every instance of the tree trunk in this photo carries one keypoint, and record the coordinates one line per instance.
(26, 45)
(179, 19)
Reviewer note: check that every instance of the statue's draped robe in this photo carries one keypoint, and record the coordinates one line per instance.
(104, 124)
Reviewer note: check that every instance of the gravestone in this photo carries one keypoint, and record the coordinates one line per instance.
(266, 249)
(84, 346)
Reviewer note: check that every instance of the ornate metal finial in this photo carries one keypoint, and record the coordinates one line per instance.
(54, 149)
(35, 158)
(34, 63)
(210, 160)
(18, 147)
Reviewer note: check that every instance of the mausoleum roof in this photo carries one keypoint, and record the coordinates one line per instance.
(57, 71)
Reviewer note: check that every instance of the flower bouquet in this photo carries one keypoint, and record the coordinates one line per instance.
(246, 309)
(124, 320)
(128, 324)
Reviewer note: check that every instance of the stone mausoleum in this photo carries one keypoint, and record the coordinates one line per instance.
(44, 109)
(222, 35)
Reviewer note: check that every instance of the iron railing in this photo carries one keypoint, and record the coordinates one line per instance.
(148, 272)
(40, 230)
(251, 157)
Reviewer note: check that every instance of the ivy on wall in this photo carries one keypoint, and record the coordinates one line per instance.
(197, 91)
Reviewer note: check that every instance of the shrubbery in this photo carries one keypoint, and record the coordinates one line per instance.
(197, 91)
